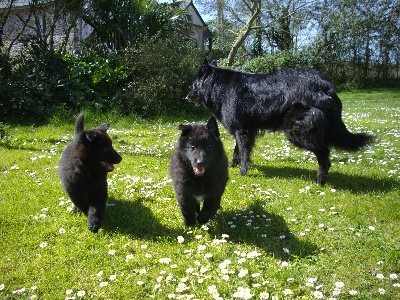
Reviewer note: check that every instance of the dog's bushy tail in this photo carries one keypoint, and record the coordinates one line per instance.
(343, 139)
(79, 124)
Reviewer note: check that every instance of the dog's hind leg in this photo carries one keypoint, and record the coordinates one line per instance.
(307, 128)
(245, 140)
(79, 202)
(323, 164)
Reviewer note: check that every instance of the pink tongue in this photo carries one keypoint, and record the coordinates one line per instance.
(198, 170)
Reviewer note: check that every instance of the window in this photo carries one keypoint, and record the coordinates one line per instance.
(42, 22)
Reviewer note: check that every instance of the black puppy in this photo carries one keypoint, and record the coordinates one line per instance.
(83, 169)
(301, 102)
(199, 171)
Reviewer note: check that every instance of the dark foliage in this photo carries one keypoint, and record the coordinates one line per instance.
(149, 80)
(163, 71)
(38, 82)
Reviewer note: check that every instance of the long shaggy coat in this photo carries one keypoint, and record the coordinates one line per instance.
(302, 103)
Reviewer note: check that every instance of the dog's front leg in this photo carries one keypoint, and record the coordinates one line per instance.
(96, 213)
(245, 140)
(236, 156)
(188, 208)
(210, 208)
(95, 217)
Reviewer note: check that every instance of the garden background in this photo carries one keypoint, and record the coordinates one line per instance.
(278, 233)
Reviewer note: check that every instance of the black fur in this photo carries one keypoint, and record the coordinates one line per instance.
(302, 103)
(83, 169)
(199, 170)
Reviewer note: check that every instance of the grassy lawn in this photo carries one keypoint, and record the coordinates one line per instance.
(278, 233)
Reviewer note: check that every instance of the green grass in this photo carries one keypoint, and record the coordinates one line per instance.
(278, 232)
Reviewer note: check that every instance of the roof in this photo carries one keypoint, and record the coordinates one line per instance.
(189, 3)
(15, 3)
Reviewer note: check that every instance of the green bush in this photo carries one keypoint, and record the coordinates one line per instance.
(42, 79)
(163, 69)
(149, 80)
(99, 81)
(38, 82)
(270, 63)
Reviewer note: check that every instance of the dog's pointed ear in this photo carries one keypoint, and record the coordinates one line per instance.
(213, 126)
(79, 124)
(186, 129)
(104, 126)
(205, 67)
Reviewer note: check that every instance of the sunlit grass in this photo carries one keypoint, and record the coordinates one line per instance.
(279, 235)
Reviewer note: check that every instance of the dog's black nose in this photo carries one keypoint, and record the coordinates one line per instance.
(119, 159)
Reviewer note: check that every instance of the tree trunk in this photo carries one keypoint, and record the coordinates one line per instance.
(255, 9)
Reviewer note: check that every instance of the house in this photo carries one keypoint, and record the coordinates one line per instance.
(17, 21)
(56, 25)
(200, 31)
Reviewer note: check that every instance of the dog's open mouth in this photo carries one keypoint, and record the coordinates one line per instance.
(107, 166)
(199, 170)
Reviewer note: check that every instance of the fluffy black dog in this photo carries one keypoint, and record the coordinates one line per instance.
(301, 102)
(199, 171)
(83, 169)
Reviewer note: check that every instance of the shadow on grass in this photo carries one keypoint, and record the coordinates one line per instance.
(266, 230)
(136, 220)
(354, 183)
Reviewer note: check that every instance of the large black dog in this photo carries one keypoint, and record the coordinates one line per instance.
(199, 171)
(83, 169)
(301, 102)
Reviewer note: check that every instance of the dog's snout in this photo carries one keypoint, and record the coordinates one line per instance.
(118, 159)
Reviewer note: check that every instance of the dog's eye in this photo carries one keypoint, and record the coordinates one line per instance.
(192, 148)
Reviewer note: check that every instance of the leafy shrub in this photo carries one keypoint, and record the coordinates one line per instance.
(164, 69)
(149, 80)
(99, 81)
(38, 82)
(270, 63)
(43, 79)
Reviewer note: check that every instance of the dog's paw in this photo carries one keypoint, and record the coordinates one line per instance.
(189, 223)
(233, 163)
(321, 179)
(76, 210)
(243, 171)
(94, 228)
(204, 217)
(94, 225)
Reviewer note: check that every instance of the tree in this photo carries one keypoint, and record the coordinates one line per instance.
(254, 7)
(259, 25)
(357, 38)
